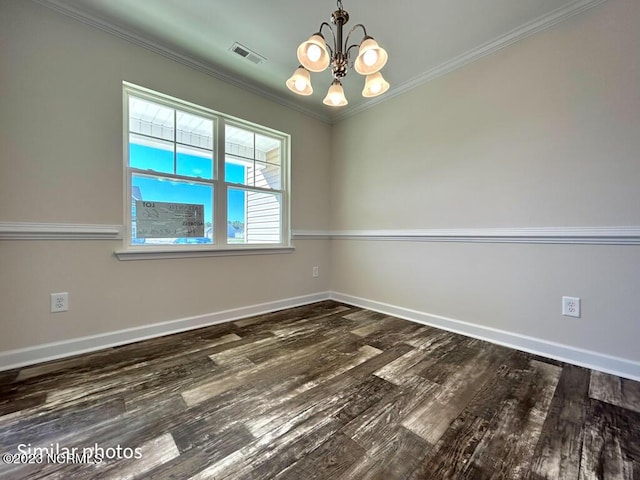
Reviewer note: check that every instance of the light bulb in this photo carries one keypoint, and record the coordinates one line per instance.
(376, 87)
(314, 52)
(300, 84)
(335, 99)
(370, 57)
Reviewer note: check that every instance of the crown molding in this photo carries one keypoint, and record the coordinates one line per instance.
(110, 28)
(524, 31)
(539, 24)
(58, 231)
(627, 235)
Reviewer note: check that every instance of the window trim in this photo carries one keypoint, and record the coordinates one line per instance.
(220, 186)
(186, 251)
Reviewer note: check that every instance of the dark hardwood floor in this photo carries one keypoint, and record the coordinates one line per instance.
(324, 391)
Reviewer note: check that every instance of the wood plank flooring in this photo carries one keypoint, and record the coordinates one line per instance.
(324, 391)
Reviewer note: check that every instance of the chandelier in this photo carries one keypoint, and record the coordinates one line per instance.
(315, 55)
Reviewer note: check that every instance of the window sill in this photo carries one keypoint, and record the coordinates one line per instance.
(155, 253)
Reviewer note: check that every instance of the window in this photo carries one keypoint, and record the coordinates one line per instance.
(198, 177)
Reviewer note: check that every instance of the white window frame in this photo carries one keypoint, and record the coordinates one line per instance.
(220, 186)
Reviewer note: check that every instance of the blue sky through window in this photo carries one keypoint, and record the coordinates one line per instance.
(144, 157)
(235, 173)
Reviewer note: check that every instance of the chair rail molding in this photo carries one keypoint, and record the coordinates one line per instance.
(59, 231)
(623, 235)
(610, 235)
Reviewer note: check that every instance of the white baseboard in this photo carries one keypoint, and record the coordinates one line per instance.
(565, 353)
(53, 351)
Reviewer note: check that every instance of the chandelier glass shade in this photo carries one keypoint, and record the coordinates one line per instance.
(374, 85)
(315, 55)
(300, 82)
(335, 96)
(371, 57)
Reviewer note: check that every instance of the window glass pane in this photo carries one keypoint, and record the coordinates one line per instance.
(268, 149)
(150, 119)
(194, 130)
(253, 217)
(265, 175)
(194, 162)
(235, 170)
(239, 142)
(236, 215)
(148, 153)
(170, 212)
(258, 155)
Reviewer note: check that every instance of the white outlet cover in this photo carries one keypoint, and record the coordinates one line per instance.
(571, 306)
(59, 302)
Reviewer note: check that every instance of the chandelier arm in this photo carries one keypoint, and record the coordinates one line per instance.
(355, 45)
(346, 42)
(333, 35)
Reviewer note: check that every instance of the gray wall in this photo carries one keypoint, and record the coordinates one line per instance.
(61, 161)
(544, 133)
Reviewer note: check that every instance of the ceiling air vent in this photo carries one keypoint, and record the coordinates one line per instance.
(244, 52)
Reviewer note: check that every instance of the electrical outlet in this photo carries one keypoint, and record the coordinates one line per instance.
(315, 272)
(59, 302)
(571, 306)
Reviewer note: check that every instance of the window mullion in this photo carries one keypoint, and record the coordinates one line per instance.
(255, 153)
(175, 141)
(220, 189)
(170, 176)
(251, 188)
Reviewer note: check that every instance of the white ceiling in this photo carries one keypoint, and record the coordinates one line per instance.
(424, 38)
